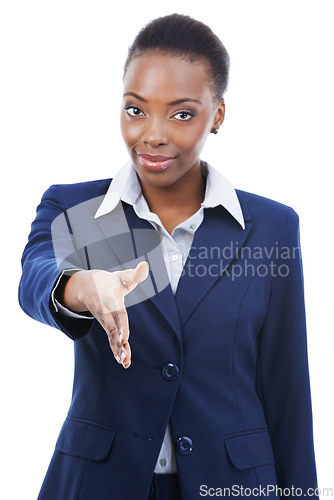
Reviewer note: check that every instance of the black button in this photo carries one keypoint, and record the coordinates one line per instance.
(184, 445)
(170, 372)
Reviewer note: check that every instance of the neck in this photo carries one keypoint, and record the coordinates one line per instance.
(177, 202)
(185, 196)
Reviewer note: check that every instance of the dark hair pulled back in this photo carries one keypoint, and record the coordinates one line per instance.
(184, 36)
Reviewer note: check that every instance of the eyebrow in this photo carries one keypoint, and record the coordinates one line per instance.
(132, 94)
(172, 103)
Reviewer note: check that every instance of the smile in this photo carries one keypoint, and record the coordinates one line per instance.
(155, 163)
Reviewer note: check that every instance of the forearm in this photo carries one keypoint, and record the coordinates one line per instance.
(69, 291)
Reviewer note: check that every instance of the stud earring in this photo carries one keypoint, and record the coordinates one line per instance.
(214, 131)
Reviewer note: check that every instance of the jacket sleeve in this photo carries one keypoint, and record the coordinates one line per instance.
(50, 250)
(283, 374)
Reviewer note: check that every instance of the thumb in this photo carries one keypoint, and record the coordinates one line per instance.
(131, 277)
(141, 272)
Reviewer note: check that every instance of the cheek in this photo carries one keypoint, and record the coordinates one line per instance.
(129, 132)
(194, 138)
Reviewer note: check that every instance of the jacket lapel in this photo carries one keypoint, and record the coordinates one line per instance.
(215, 246)
(116, 233)
(146, 242)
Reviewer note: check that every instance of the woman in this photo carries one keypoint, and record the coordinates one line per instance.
(212, 398)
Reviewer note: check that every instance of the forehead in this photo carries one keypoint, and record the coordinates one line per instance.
(168, 76)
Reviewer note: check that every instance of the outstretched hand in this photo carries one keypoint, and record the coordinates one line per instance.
(102, 293)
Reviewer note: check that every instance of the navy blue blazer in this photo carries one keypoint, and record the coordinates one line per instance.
(224, 360)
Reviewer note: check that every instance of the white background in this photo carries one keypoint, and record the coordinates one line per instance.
(61, 64)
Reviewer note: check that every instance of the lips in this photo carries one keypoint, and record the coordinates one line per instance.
(155, 163)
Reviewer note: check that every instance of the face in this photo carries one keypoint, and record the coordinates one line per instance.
(168, 111)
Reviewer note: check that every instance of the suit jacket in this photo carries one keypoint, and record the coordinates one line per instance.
(224, 360)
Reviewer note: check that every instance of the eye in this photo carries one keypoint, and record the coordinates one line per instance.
(183, 116)
(133, 111)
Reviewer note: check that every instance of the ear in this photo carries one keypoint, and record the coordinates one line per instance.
(219, 116)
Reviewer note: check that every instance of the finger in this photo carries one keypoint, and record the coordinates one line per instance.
(127, 360)
(109, 325)
(122, 323)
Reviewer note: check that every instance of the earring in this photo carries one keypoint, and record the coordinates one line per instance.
(214, 131)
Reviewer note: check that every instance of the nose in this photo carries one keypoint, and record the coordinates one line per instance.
(155, 133)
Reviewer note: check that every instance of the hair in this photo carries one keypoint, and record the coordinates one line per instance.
(181, 35)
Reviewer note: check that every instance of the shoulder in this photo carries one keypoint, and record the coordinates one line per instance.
(266, 214)
(257, 206)
(70, 195)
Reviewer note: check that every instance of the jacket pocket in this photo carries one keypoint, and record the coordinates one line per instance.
(251, 449)
(84, 440)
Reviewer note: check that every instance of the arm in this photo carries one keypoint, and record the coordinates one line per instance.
(51, 249)
(41, 269)
(283, 368)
